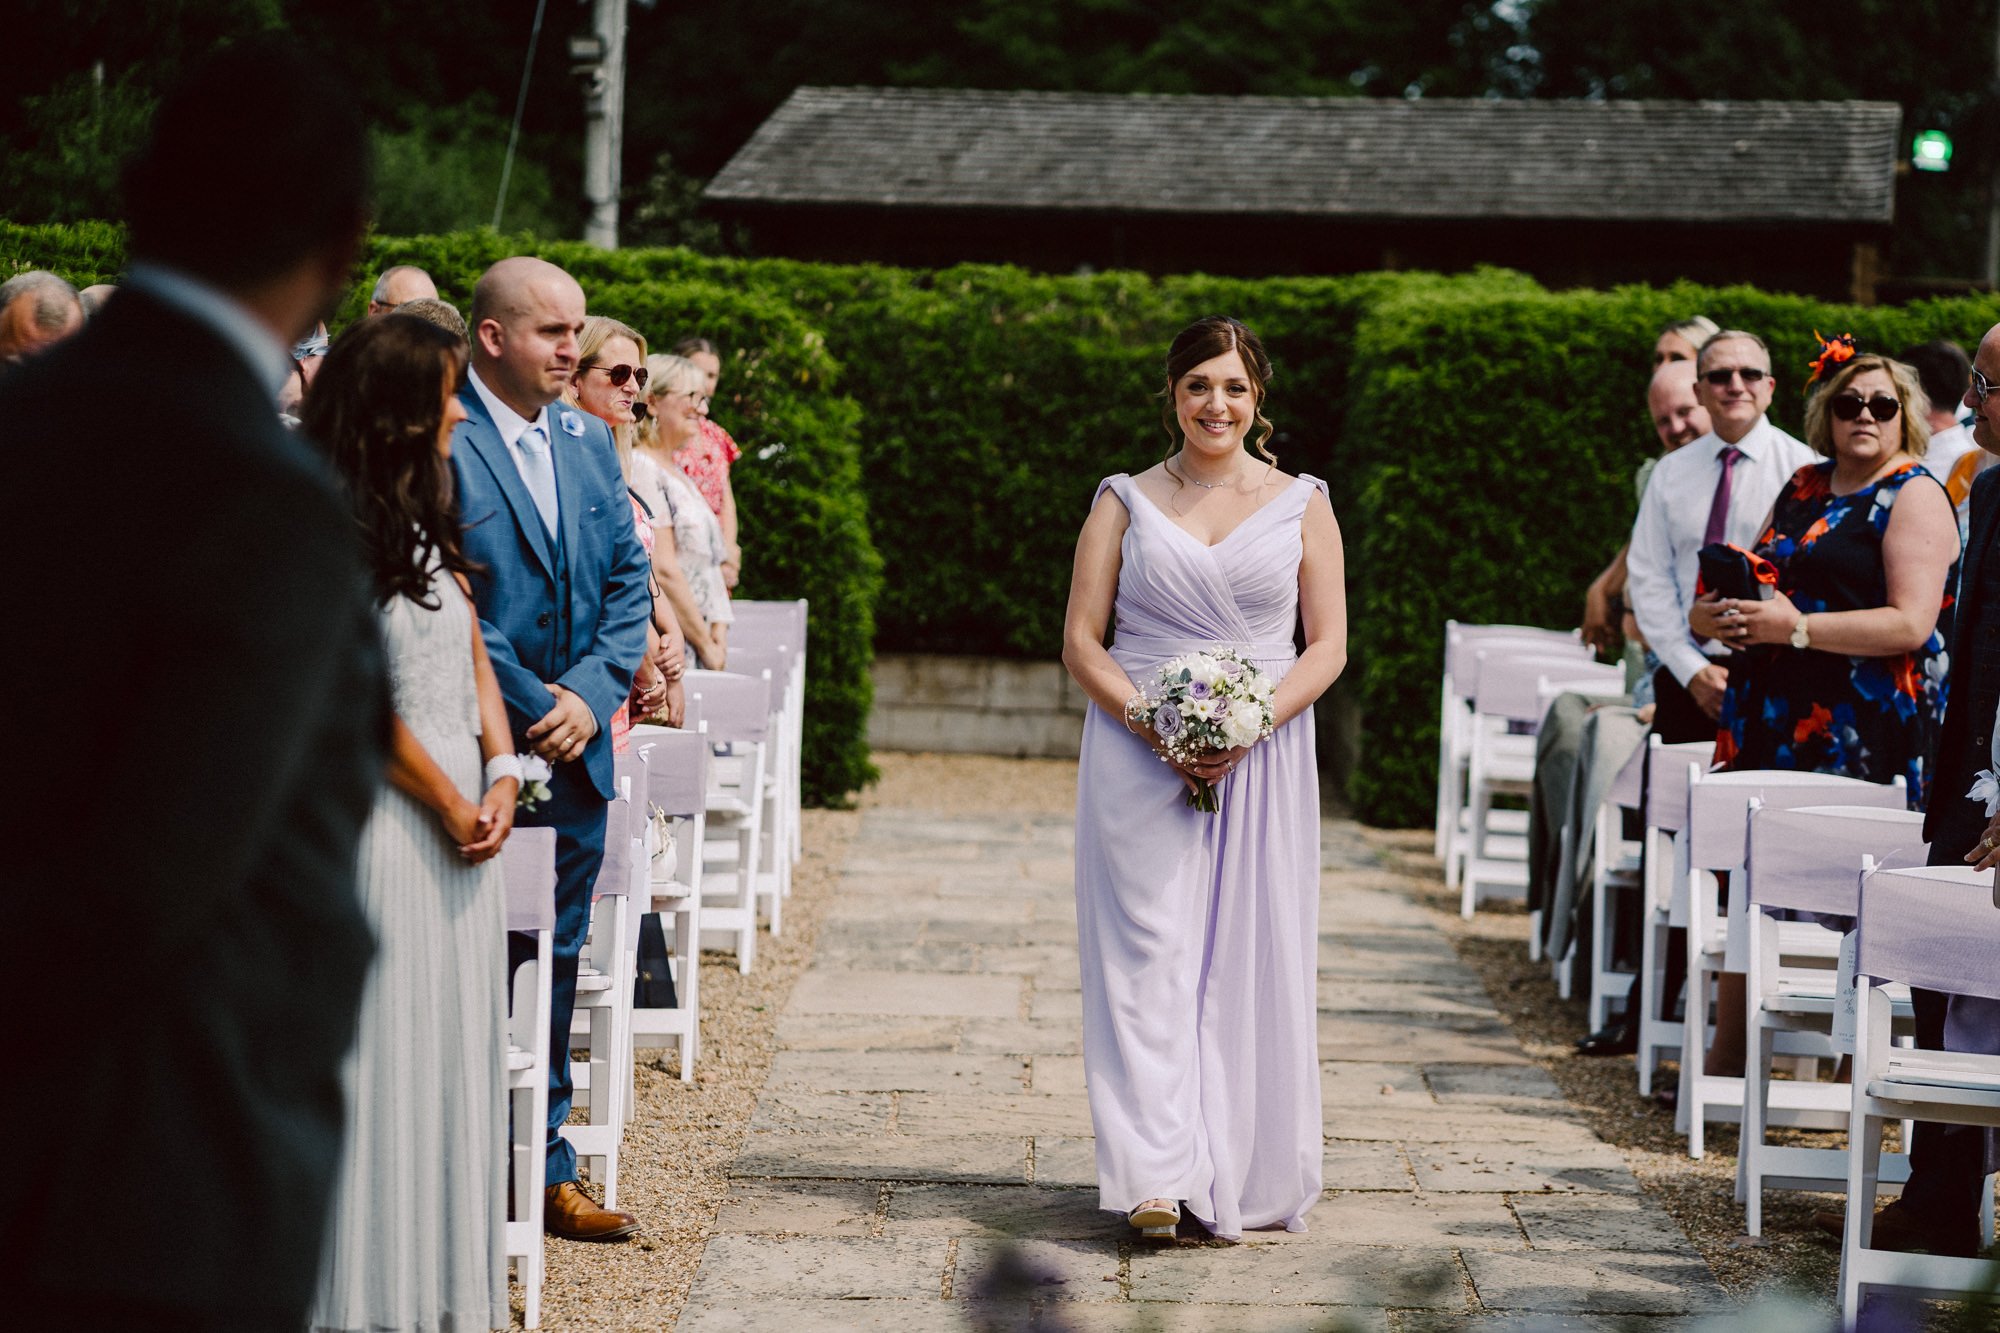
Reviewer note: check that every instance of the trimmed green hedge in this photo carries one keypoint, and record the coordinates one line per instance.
(1478, 434)
(799, 486)
(1495, 435)
(805, 519)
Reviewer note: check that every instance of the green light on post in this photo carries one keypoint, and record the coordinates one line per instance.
(1931, 151)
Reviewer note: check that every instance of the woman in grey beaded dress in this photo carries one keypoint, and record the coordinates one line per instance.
(418, 1228)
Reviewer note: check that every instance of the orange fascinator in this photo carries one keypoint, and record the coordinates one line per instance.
(1832, 351)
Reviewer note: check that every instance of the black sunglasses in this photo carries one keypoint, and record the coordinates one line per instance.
(619, 374)
(1847, 407)
(1720, 378)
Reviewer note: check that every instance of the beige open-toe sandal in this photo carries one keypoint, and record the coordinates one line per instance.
(1156, 1219)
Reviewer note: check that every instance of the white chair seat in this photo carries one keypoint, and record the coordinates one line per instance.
(1937, 1070)
(593, 983)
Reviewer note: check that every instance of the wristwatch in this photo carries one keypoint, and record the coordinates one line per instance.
(1801, 636)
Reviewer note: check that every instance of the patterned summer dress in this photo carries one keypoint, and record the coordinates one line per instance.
(1874, 718)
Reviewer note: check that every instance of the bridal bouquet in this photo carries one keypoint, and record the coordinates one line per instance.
(1204, 702)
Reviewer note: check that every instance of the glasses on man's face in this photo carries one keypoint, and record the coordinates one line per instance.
(1981, 386)
(1848, 407)
(1752, 376)
(619, 375)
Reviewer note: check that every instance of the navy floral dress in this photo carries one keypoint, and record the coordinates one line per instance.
(1874, 718)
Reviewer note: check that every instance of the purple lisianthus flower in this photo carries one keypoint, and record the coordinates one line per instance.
(1221, 710)
(1167, 721)
(1231, 667)
(1199, 689)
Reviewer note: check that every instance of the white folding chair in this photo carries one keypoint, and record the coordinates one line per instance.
(1506, 699)
(1604, 684)
(737, 712)
(774, 854)
(1455, 715)
(1937, 927)
(785, 623)
(1665, 865)
(1614, 881)
(1805, 860)
(604, 982)
(1718, 820)
(677, 785)
(528, 863)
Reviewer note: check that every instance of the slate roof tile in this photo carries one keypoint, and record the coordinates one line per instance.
(1354, 158)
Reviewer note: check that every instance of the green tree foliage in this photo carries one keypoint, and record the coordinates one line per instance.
(1933, 57)
(442, 173)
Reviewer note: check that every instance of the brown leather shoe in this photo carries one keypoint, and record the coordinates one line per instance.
(1896, 1229)
(568, 1212)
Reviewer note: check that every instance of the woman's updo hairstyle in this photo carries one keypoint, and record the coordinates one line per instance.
(1204, 340)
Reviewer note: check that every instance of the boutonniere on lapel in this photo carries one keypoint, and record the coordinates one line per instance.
(572, 424)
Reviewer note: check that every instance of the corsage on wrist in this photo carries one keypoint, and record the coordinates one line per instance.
(530, 770)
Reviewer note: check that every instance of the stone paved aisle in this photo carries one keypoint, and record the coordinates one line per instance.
(924, 1133)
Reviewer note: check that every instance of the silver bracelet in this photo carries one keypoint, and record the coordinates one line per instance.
(503, 766)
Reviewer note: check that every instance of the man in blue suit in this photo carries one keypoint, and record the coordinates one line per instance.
(563, 601)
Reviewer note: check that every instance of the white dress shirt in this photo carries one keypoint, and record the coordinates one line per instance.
(1673, 519)
(512, 425)
(1946, 448)
(214, 309)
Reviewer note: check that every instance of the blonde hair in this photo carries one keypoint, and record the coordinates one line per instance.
(1914, 416)
(666, 374)
(597, 331)
(1694, 330)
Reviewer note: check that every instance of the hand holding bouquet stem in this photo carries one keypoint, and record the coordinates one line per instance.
(1202, 714)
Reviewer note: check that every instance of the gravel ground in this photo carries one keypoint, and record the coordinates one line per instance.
(1792, 1258)
(674, 1170)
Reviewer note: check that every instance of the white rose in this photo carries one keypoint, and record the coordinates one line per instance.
(1241, 726)
(1205, 669)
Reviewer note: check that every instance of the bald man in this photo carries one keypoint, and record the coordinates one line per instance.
(93, 297)
(1677, 418)
(561, 585)
(404, 282)
(37, 311)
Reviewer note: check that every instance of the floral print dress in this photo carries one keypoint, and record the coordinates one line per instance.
(1874, 718)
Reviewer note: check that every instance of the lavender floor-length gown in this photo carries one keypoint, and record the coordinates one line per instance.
(1199, 933)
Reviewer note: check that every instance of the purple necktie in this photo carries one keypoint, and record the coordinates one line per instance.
(1718, 509)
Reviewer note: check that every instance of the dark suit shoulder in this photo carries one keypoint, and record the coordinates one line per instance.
(1985, 487)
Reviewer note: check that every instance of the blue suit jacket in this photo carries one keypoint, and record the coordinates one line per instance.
(580, 623)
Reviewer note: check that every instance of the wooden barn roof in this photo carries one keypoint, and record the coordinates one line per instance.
(1361, 158)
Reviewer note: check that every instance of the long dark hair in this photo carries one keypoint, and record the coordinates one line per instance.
(376, 408)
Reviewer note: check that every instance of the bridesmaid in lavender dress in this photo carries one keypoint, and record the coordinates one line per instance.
(1199, 932)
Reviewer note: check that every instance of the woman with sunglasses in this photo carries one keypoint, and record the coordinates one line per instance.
(610, 378)
(691, 552)
(1842, 670)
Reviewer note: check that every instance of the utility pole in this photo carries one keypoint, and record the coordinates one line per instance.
(598, 56)
(1992, 118)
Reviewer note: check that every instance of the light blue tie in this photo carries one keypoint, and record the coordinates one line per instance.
(538, 470)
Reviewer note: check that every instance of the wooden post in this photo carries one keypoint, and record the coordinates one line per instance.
(1865, 273)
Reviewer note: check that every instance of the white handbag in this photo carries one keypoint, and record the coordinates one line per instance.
(661, 848)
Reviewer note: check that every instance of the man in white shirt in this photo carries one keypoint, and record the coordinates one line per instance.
(1719, 488)
(1945, 372)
